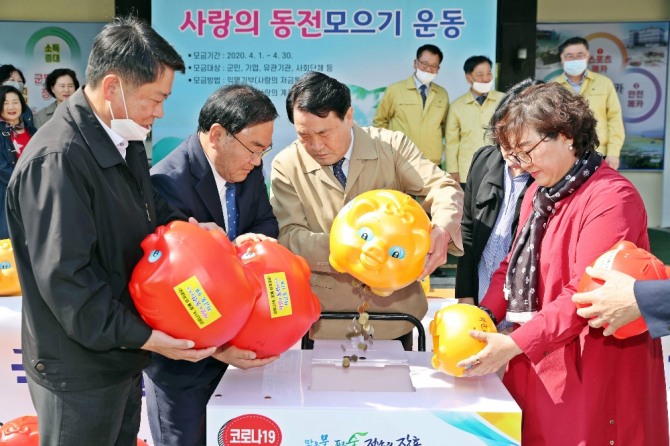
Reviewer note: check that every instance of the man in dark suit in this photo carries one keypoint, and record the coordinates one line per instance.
(622, 299)
(215, 175)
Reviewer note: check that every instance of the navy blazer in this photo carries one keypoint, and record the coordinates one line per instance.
(184, 178)
(653, 298)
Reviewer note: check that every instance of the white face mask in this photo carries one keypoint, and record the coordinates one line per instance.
(424, 77)
(16, 84)
(481, 87)
(574, 67)
(127, 128)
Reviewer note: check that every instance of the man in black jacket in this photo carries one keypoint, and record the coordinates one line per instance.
(79, 203)
(493, 194)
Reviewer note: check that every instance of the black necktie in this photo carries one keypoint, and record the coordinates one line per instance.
(423, 94)
(339, 173)
(480, 99)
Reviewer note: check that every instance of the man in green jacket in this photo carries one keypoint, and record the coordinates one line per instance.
(600, 93)
(418, 106)
(469, 116)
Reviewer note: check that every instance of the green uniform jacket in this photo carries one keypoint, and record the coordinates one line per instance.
(466, 129)
(599, 91)
(401, 109)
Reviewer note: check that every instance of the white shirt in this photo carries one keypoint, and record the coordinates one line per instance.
(347, 156)
(120, 143)
(221, 186)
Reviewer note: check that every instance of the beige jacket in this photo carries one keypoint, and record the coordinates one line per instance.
(306, 197)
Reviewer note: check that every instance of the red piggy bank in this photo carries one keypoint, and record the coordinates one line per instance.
(287, 307)
(191, 285)
(627, 258)
(20, 431)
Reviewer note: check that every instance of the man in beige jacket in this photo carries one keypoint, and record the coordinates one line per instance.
(306, 196)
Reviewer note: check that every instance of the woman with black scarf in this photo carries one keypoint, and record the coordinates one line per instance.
(574, 385)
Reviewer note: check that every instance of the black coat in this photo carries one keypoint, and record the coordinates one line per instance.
(484, 194)
(77, 214)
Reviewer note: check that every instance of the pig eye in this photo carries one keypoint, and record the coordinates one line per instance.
(155, 255)
(366, 233)
(397, 252)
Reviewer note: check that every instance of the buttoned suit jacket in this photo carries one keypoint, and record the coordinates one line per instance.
(184, 178)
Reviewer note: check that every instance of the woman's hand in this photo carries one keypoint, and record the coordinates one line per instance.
(500, 349)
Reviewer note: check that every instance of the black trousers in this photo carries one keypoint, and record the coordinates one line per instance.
(107, 416)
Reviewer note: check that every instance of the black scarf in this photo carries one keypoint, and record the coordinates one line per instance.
(521, 283)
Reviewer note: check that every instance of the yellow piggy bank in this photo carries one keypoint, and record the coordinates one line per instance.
(381, 238)
(9, 278)
(452, 342)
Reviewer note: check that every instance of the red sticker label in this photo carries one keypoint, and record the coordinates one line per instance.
(252, 429)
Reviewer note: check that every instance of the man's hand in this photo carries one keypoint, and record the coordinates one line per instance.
(250, 236)
(210, 225)
(613, 303)
(437, 254)
(613, 162)
(172, 348)
(242, 359)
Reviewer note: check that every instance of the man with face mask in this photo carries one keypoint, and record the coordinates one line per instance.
(79, 203)
(418, 106)
(215, 175)
(600, 93)
(469, 116)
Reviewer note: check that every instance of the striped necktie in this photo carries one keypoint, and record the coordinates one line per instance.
(339, 173)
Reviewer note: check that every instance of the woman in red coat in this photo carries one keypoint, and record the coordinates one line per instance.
(574, 385)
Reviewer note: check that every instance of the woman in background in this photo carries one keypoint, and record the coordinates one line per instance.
(61, 83)
(14, 136)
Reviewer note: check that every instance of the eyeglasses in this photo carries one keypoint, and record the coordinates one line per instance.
(426, 65)
(258, 155)
(578, 56)
(524, 157)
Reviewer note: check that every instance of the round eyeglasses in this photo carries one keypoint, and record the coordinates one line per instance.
(524, 157)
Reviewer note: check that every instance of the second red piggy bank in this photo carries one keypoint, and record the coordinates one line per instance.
(287, 307)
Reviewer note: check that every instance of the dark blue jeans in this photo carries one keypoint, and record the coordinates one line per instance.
(108, 416)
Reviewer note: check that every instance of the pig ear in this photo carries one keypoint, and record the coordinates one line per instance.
(359, 206)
